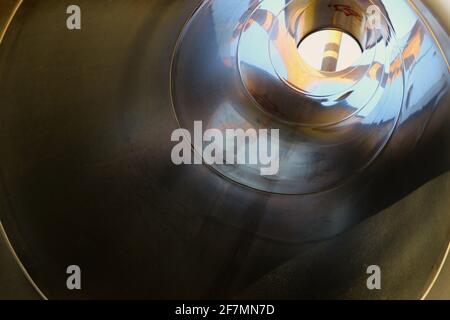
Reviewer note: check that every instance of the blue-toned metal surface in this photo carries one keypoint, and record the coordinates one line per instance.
(86, 174)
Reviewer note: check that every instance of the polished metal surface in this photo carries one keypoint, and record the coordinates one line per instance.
(86, 175)
(332, 125)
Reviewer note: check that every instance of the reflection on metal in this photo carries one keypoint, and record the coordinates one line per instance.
(332, 50)
(86, 176)
(333, 124)
(10, 11)
(438, 273)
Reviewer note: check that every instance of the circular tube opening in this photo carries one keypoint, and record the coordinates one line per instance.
(330, 50)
